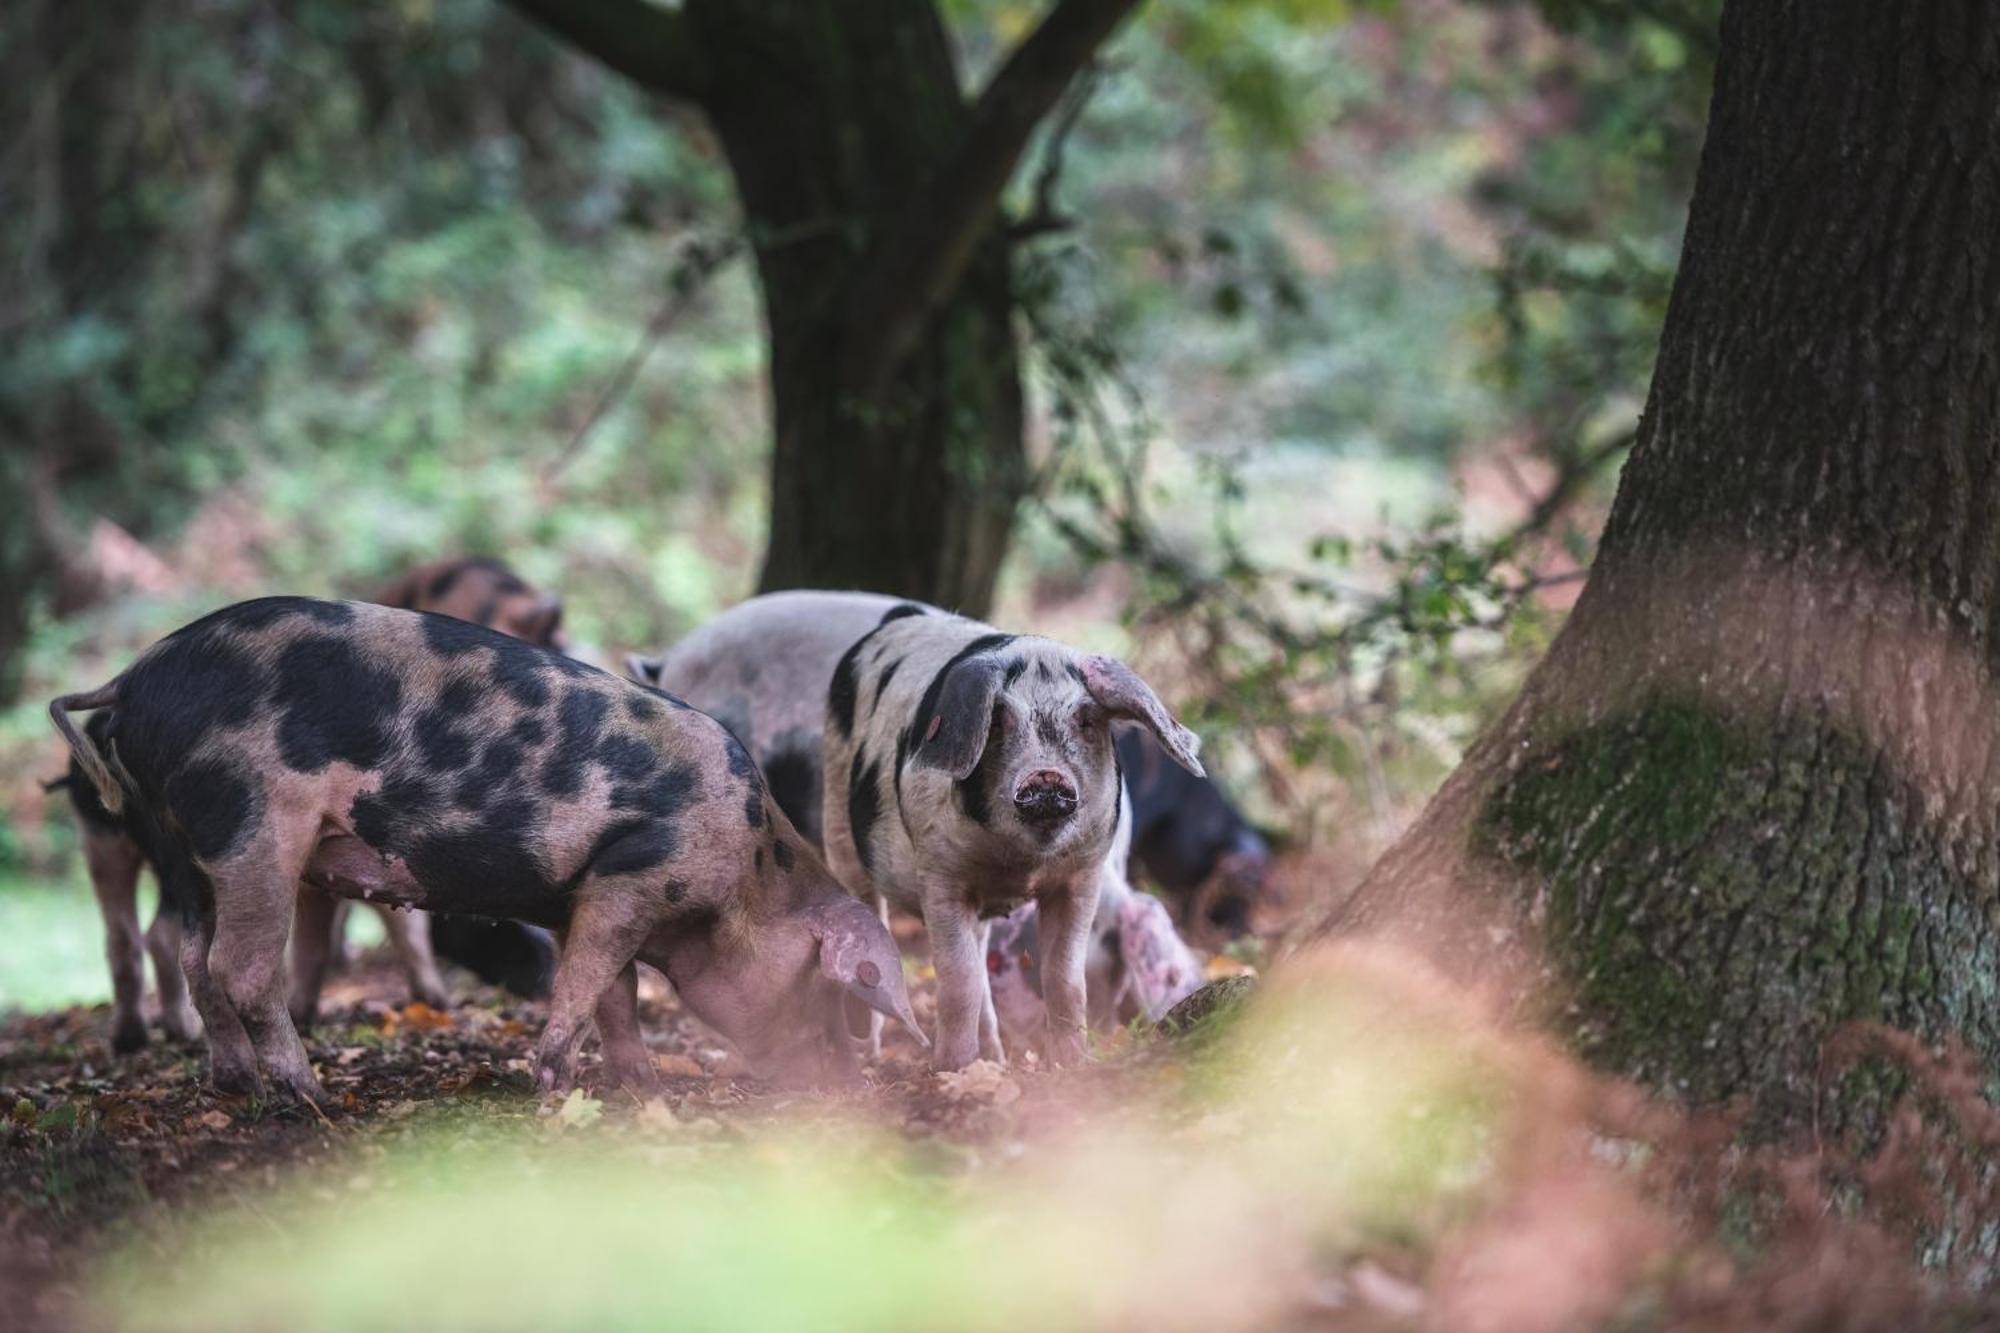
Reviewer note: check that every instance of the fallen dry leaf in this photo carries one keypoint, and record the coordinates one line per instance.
(679, 1066)
(420, 1017)
(217, 1120)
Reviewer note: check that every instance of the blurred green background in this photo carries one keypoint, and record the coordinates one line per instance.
(1329, 368)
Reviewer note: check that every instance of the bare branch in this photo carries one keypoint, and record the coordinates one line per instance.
(1043, 215)
(648, 43)
(690, 276)
(916, 263)
(1571, 474)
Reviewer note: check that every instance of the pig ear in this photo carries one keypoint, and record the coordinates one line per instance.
(1118, 689)
(645, 670)
(954, 737)
(857, 953)
(545, 622)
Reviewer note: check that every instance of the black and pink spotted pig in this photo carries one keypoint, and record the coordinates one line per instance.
(422, 761)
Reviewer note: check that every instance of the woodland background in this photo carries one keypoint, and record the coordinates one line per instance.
(1334, 322)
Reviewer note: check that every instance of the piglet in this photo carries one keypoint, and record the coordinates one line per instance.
(426, 762)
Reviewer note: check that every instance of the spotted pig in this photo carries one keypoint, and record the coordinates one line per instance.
(426, 762)
(764, 669)
(478, 589)
(483, 591)
(116, 849)
(965, 771)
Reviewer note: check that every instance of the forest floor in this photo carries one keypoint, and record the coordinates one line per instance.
(1394, 1161)
(101, 1153)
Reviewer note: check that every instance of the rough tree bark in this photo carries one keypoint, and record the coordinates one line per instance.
(1750, 793)
(871, 187)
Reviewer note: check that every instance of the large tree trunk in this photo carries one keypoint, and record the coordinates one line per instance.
(1751, 792)
(836, 116)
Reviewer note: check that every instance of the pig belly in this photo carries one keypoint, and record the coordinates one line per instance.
(344, 865)
(348, 867)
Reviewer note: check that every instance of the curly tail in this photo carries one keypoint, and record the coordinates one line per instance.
(88, 757)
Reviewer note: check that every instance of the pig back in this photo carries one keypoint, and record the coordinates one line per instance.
(762, 669)
(489, 773)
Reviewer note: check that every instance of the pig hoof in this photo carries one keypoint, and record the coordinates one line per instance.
(1067, 1049)
(307, 1092)
(127, 1036)
(642, 1081)
(182, 1026)
(236, 1082)
(434, 996)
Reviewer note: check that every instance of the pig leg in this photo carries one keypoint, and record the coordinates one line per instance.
(163, 942)
(963, 993)
(604, 936)
(989, 1017)
(254, 896)
(626, 1058)
(232, 1061)
(315, 918)
(113, 860)
(1065, 932)
(409, 935)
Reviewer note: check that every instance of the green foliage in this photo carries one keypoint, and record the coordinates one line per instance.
(1320, 258)
(1275, 350)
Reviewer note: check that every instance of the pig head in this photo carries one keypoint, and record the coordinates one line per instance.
(802, 676)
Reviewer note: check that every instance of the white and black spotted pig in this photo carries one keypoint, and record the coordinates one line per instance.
(965, 771)
(764, 668)
(968, 770)
(427, 762)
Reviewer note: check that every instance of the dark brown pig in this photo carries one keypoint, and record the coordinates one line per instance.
(483, 591)
(425, 762)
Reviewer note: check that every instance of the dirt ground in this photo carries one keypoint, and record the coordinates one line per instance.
(95, 1149)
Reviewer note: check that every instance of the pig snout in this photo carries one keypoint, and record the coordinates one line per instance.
(1045, 797)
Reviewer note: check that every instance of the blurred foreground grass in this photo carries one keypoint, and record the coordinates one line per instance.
(1344, 1110)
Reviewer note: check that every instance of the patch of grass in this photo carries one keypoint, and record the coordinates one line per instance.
(51, 944)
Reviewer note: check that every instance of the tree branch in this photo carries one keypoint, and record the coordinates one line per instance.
(651, 45)
(1572, 472)
(914, 264)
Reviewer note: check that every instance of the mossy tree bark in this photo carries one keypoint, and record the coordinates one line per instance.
(871, 187)
(1751, 792)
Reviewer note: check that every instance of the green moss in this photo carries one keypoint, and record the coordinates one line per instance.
(1721, 891)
